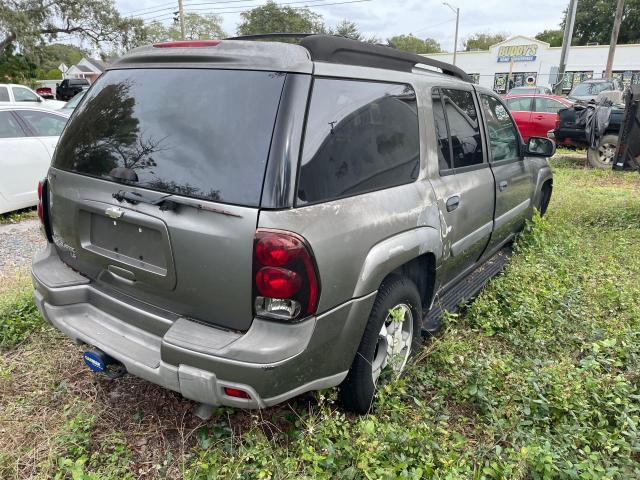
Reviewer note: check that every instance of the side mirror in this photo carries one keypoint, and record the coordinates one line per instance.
(57, 84)
(540, 147)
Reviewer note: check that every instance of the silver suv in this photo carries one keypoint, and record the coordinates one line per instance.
(245, 221)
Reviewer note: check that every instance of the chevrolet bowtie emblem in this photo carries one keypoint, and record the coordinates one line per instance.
(114, 212)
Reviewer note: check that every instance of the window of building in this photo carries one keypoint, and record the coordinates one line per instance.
(360, 136)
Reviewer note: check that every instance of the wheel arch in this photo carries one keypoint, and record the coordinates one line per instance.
(414, 254)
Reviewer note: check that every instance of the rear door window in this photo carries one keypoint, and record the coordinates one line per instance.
(464, 129)
(24, 95)
(360, 136)
(520, 104)
(548, 105)
(4, 94)
(43, 124)
(194, 132)
(445, 160)
(9, 126)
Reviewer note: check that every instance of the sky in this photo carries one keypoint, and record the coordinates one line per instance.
(386, 18)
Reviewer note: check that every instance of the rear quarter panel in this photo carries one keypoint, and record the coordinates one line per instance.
(344, 233)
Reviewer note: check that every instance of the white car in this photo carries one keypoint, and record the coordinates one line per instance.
(13, 94)
(28, 137)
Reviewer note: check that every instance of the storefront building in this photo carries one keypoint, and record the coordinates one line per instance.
(528, 61)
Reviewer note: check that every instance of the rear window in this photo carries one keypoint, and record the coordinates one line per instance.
(360, 136)
(82, 81)
(199, 133)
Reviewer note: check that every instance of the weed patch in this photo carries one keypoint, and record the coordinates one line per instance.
(538, 379)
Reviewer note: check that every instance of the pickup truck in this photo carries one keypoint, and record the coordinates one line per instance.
(570, 132)
(70, 87)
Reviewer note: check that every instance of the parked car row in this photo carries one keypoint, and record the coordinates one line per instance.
(11, 93)
(536, 114)
(28, 137)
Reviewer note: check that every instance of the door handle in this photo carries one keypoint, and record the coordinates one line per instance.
(502, 186)
(453, 203)
(539, 117)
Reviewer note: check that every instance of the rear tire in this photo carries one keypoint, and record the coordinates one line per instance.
(383, 336)
(603, 156)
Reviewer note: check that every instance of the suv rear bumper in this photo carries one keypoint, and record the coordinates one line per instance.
(271, 361)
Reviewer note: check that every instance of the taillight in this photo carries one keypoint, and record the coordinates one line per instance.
(43, 208)
(236, 392)
(285, 280)
(40, 208)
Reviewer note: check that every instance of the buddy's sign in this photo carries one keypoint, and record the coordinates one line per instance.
(517, 53)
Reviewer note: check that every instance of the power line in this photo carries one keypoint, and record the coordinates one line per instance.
(434, 25)
(172, 5)
(167, 16)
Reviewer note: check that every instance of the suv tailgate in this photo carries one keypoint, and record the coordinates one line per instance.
(155, 190)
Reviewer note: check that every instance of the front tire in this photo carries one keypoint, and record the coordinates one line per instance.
(603, 156)
(391, 335)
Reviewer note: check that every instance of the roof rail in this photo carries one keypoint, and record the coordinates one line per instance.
(261, 36)
(336, 49)
(329, 48)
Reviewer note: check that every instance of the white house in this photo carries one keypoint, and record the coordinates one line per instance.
(533, 62)
(88, 68)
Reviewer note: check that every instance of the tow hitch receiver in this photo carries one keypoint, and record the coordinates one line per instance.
(100, 362)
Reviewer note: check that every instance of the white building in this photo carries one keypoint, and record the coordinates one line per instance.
(532, 62)
(88, 68)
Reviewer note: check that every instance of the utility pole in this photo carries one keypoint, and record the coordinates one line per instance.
(181, 12)
(566, 43)
(456, 10)
(614, 38)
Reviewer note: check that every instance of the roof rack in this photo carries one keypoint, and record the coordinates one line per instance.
(261, 36)
(335, 49)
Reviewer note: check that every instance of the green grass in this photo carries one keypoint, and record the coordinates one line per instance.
(17, 216)
(538, 379)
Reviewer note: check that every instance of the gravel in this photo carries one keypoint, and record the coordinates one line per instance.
(19, 242)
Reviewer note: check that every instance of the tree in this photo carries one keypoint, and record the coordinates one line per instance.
(552, 37)
(30, 23)
(594, 22)
(273, 18)
(196, 27)
(51, 56)
(350, 30)
(482, 41)
(411, 43)
(15, 68)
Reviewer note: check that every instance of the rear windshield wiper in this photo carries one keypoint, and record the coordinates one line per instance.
(168, 202)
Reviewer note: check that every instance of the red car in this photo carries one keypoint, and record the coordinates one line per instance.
(45, 92)
(535, 115)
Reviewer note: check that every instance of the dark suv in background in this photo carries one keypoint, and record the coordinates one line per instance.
(70, 87)
(289, 228)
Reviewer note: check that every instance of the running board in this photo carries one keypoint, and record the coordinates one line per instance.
(465, 290)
